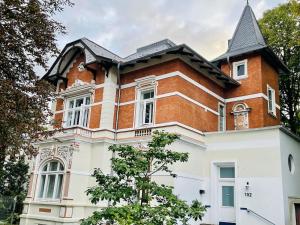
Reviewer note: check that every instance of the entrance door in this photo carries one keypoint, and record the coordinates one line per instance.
(226, 195)
(297, 210)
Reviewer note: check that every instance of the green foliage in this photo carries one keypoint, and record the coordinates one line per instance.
(135, 198)
(13, 185)
(281, 28)
(27, 39)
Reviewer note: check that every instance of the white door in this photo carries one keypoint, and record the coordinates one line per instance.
(226, 194)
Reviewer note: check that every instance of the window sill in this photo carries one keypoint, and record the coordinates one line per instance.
(272, 115)
(240, 77)
(45, 200)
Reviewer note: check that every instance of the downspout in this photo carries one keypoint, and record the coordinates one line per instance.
(229, 65)
(118, 101)
(117, 118)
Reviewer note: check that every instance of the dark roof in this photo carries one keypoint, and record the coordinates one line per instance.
(208, 69)
(248, 38)
(96, 53)
(99, 50)
(150, 49)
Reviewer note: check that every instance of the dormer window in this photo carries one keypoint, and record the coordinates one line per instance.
(78, 109)
(240, 70)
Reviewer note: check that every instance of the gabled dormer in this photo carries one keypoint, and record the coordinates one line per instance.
(251, 62)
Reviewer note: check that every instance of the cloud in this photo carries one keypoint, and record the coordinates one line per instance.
(124, 25)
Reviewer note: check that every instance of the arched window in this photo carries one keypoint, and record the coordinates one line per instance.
(51, 178)
(241, 120)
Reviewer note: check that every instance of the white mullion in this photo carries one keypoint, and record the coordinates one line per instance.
(45, 186)
(55, 186)
(151, 112)
(144, 111)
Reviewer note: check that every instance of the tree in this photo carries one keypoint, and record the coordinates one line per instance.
(14, 177)
(281, 28)
(135, 198)
(27, 39)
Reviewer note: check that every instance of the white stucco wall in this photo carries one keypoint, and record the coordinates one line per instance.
(290, 181)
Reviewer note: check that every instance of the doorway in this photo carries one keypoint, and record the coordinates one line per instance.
(226, 195)
(297, 213)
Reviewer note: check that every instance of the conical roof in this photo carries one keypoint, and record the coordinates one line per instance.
(247, 36)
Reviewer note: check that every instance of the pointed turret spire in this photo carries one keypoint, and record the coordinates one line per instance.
(247, 32)
(247, 36)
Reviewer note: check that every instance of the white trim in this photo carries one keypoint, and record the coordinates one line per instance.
(235, 65)
(176, 93)
(164, 125)
(273, 110)
(219, 117)
(245, 97)
(183, 76)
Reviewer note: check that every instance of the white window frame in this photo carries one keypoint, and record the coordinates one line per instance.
(47, 173)
(271, 111)
(82, 109)
(224, 117)
(235, 72)
(140, 122)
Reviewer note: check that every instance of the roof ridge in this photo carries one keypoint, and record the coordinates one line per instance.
(101, 47)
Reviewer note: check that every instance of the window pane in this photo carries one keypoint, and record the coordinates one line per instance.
(59, 185)
(79, 102)
(221, 111)
(148, 94)
(148, 113)
(71, 104)
(42, 186)
(87, 100)
(241, 70)
(227, 172)
(76, 117)
(45, 167)
(270, 100)
(85, 117)
(69, 118)
(50, 186)
(61, 167)
(53, 166)
(228, 196)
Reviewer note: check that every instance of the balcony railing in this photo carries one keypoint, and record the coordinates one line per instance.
(143, 132)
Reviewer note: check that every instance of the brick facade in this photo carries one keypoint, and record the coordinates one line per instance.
(184, 107)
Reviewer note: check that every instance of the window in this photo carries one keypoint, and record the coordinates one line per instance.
(240, 70)
(228, 196)
(271, 101)
(227, 172)
(51, 179)
(78, 111)
(291, 164)
(146, 107)
(240, 112)
(222, 118)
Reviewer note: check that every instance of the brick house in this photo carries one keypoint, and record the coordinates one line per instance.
(243, 166)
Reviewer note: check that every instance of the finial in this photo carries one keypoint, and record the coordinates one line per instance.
(247, 2)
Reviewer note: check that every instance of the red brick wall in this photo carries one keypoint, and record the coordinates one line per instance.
(260, 73)
(85, 76)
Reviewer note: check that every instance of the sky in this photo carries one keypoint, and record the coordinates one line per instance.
(122, 26)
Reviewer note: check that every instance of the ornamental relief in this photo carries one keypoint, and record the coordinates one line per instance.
(64, 152)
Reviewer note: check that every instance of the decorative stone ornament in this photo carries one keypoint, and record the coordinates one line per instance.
(63, 152)
(81, 67)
